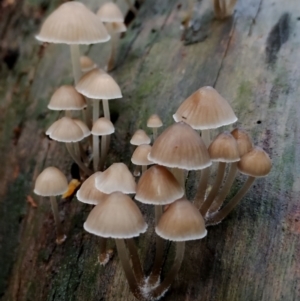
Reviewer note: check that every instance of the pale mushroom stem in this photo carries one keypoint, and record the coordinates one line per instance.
(106, 115)
(104, 255)
(205, 135)
(154, 134)
(135, 259)
(131, 7)
(159, 252)
(214, 191)
(60, 236)
(75, 62)
(225, 189)
(200, 195)
(216, 218)
(163, 287)
(114, 45)
(136, 171)
(123, 256)
(144, 169)
(95, 138)
(77, 160)
(103, 150)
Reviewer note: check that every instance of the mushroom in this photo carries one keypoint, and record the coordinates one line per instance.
(119, 217)
(73, 23)
(52, 182)
(223, 149)
(110, 13)
(154, 122)
(87, 64)
(255, 163)
(140, 156)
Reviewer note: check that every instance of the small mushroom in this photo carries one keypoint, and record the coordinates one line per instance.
(50, 183)
(87, 64)
(140, 156)
(154, 122)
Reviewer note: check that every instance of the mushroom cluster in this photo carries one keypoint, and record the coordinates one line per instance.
(162, 161)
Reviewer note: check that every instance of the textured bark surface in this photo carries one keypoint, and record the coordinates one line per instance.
(251, 59)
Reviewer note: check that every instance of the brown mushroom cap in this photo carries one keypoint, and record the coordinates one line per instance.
(73, 23)
(181, 222)
(243, 140)
(110, 12)
(51, 182)
(117, 217)
(224, 148)
(154, 121)
(255, 163)
(179, 146)
(158, 186)
(140, 155)
(67, 98)
(205, 109)
(116, 178)
(140, 137)
(88, 193)
(103, 126)
(98, 85)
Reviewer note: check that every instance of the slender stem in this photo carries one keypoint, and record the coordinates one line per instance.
(95, 138)
(214, 191)
(136, 171)
(103, 151)
(68, 113)
(123, 255)
(200, 195)
(104, 255)
(89, 113)
(131, 7)
(159, 252)
(96, 110)
(225, 189)
(206, 137)
(114, 45)
(60, 236)
(163, 287)
(82, 152)
(154, 134)
(75, 62)
(178, 173)
(144, 169)
(136, 264)
(106, 108)
(77, 160)
(220, 215)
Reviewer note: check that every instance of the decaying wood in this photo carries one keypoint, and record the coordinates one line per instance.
(252, 59)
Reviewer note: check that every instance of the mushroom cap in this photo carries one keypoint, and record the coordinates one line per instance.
(243, 140)
(65, 130)
(73, 23)
(87, 64)
(179, 146)
(224, 148)
(158, 186)
(116, 27)
(86, 131)
(116, 178)
(67, 98)
(140, 137)
(182, 221)
(99, 85)
(88, 193)
(103, 126)
(255, 163)
(110, 12)
(205, 109)
(154, 121)
(50, 182)
(140, 155)
(117, 217)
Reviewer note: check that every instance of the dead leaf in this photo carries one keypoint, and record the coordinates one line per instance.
(73, 186)
(31, 201)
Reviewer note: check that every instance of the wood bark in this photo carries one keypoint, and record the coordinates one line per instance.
(252, 59)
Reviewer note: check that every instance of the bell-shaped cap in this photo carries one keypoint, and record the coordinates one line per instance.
(65, 130)
(86, 131)
(224, 148)
(243, 140)
(179, 146)
(67, 98)
(205, 109)
(116, 178)
(117, 217)
(88, 193)
(103, 126)
(73, 23)
(87, 64)
(110, 12)
(158, 186)
(116, 27)
(140, 155)
(154, 121)
(51, 182)
(182, 221)
(140, 137)
(255, 163)
(98, 85)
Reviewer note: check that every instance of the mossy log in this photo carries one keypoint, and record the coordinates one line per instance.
(252, 59)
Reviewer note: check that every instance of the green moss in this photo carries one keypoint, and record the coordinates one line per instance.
(244, 98)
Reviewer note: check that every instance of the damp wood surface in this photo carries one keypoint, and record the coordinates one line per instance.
(252, 59)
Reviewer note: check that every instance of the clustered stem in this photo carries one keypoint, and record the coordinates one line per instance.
(75, 62)
(60, 236)
(95, 137)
